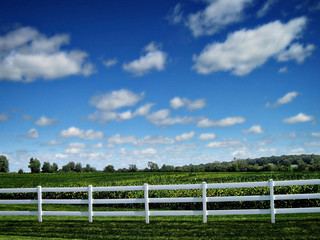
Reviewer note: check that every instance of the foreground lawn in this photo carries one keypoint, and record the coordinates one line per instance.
(294, 226)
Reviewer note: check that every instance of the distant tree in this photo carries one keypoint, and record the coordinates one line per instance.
(34, 165)
(20, 171)
(54, 168)
(78, 167)
(153, 167)
(109, 168)
(133, 168)
(46, 167)
(66, 168)
(167, 168)
(72, 166)
(88, 168)
(4, 164)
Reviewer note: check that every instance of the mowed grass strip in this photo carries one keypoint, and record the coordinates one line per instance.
(293, 226)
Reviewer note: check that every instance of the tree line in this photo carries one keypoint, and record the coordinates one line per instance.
(302, 162)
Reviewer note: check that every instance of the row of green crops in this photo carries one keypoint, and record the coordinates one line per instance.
(124, 179)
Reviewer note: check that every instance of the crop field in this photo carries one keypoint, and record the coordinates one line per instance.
(292, 226)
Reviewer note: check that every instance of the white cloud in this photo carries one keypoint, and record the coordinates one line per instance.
(143, 110)
(32, 133)
(76, 132)
(98, 145)
(27, 55)
(217, 15)
(106, 116)
(288, 97)
(184, 136)
(117, 139)
(154, 59)
(44, 121)
(301, 117)
(296, 52)
(115, 99)
(53, 143)
(312, 144)
(207, 136)
(225, 144)
(162, 118)
(110, 62)
(256, 129)
(178, 102)
(266, 7)
(4, 117)
(148, 151)
(153, 141)
(315, 134)
(245, 50)
(283, 70)
(226, 122)
(175, 16)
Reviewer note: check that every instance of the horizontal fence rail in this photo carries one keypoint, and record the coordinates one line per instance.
(146, 200)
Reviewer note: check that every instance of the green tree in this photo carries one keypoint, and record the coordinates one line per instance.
(46, 167)
(4, 164)
(78, 167)
(54, 168)
(34, 165)
(20, 171)
(133, 168)
(153, 167)
(109, 168)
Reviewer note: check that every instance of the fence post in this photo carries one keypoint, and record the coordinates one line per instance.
(146, 202)
(39, 191)
(90, 213)
(204, 201)
(273, 217)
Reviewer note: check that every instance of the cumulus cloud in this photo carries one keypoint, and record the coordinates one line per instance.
(154, 59)
(288, 97)
(226, 122)
(76, 132)
(225, 144)
(245, 50)
(256, 129)
(110, 62)
(4, 117)
(266, 8)
(178, 102)
(115, 99)
(153, 141)
(162, 118)
(44, 121)
(207, 136)
(296, 52)
(27, 55)
(301, 117)
(32, 133)
(184, 136)
(118, 139)
(53, 143)
(216, 16)
(315, 134)
(148, 151)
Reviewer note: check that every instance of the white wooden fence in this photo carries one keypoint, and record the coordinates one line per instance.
(146, 200)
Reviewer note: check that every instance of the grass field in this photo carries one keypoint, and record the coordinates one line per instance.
(293, 226)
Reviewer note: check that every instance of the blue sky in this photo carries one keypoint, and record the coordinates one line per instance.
(173, 82)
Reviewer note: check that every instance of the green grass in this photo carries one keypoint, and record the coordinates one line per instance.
(294, 226)
(287, 226)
